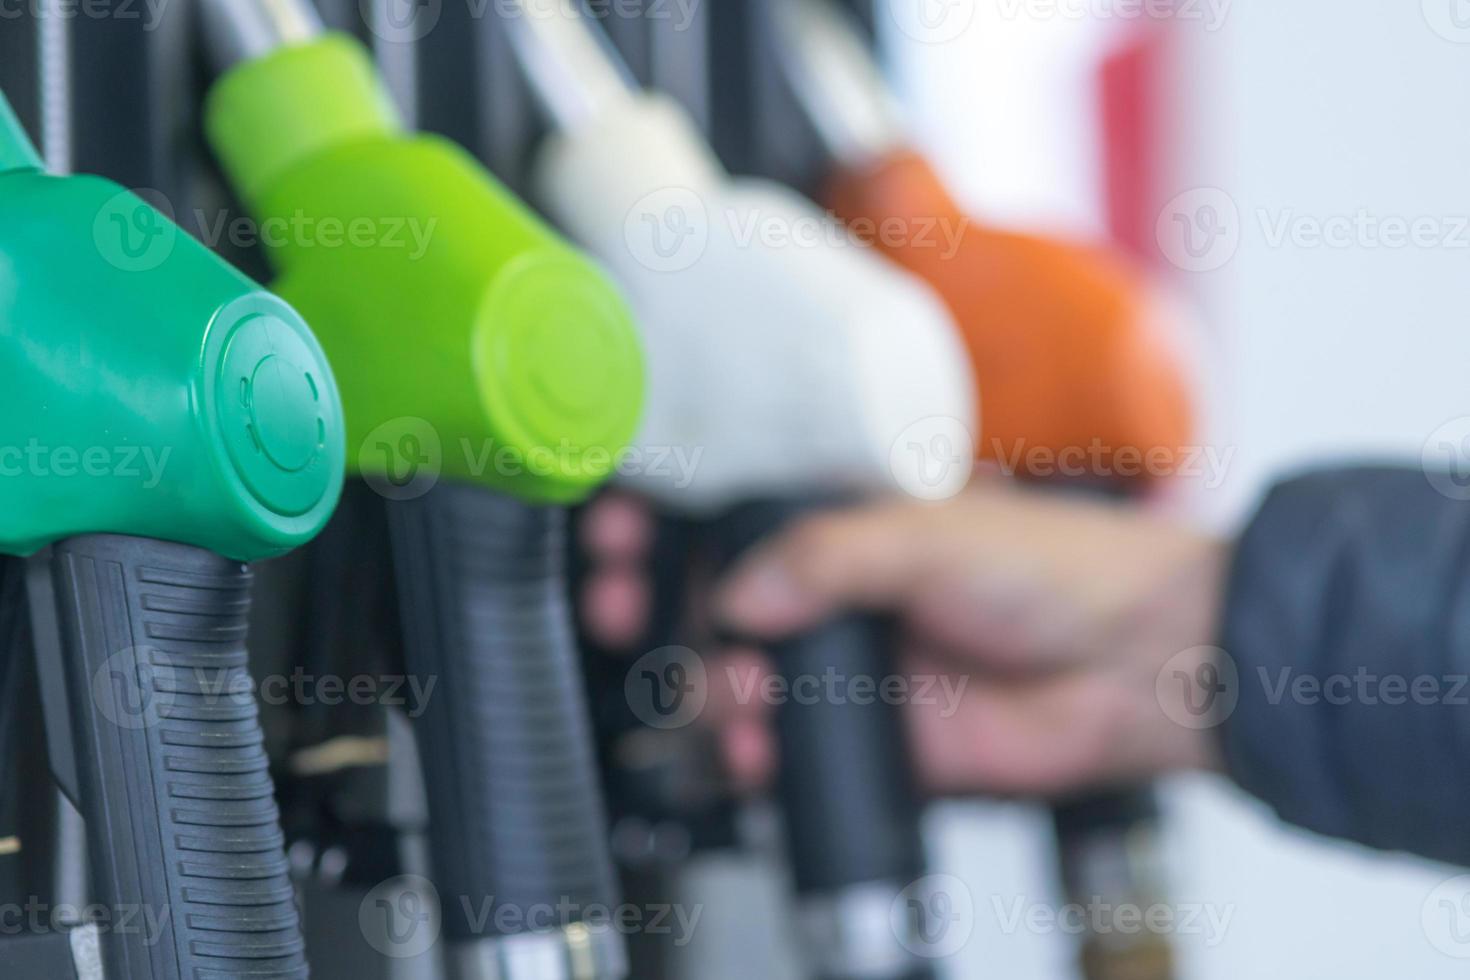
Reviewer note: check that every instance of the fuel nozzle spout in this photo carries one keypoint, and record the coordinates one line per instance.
(243, 30)
(835, 78)
(573, 69)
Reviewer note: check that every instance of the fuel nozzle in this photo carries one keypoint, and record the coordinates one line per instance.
(751, 313)
(1071, 345)
(1070, 354)
(794, 367)
(167, 422)
(491, 375)
(450, 301)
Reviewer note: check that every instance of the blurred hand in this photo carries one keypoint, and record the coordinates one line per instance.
(617, 537)
(1060, 613)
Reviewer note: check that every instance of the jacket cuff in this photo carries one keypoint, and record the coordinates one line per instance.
(1348, 619)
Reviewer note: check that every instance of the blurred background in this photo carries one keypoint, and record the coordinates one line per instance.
(1296, 172)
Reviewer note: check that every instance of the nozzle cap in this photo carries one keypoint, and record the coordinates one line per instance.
(276, 413)
(268, 402)
(560, 368)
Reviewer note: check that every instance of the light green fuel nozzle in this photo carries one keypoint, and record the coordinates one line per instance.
(453, 315)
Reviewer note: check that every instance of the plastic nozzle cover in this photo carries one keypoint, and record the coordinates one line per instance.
(1073, 349)
(272, 115)
(166, 395)
(782, 362)
(469, 339)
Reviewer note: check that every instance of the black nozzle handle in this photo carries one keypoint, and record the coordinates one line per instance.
(1108, 850)
(1107, 847)
(516, 819)
(845, 776)
(183, 832)
(12, 639)
(846, 786)
(1101, 832)
(1105, 810)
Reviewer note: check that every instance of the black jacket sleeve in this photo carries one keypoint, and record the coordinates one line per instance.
(1348, 620)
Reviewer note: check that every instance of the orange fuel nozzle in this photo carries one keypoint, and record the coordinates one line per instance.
(1069, 343)
(1073, 349)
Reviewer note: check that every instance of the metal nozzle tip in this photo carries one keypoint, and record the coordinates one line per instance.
(243, 30)
(572, 67)
(837, 80)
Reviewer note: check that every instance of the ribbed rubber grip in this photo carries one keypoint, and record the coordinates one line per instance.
(182, 827)
(1104, 811)
(515, 809)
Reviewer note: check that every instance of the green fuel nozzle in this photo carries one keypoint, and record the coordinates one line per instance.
(443, 299)
(152, 390)
(165, 420)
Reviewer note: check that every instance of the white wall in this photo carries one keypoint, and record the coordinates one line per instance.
(1314, 109)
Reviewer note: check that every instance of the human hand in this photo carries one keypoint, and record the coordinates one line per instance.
(1061, 613)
